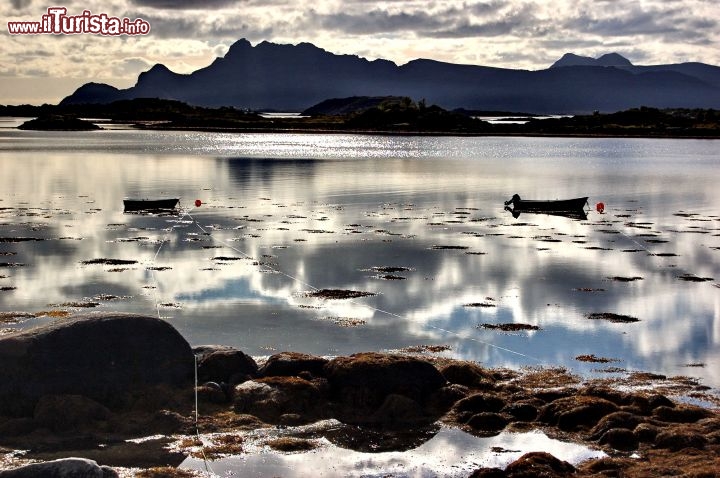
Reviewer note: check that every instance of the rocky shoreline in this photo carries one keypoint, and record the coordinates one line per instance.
(105, 378)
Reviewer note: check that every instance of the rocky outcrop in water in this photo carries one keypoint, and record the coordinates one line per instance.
(59, 123)
(112, 359)
(94, 379)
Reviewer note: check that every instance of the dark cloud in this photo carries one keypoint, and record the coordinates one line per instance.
(668, 26)
(466, 29)
(376, 21)
(184, 4)
(472, 20)
(631, 22)
(185, 26)
(20, 4)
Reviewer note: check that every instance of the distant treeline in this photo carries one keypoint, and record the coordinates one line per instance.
(387, 114)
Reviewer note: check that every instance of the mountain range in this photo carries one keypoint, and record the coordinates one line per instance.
(281, 77)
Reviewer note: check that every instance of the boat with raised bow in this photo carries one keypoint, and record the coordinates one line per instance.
(150, 204)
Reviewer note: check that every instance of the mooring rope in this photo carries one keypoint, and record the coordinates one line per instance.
(208, 468)
(368, 306)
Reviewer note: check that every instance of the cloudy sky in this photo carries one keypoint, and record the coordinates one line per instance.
(188, 34)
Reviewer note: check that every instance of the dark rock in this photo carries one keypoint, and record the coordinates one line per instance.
(64, 468)
(614, 420)
(442, 400)
(538, 464)
(293, 364)
(211, 392)
(710, 425)
(575, 412)
(620, 439)
(62, 413)
(615, 396)
(104, 357)
(681, 413)
(480, 402)
(646, 432)
(364, 380)
(549, 396)
(660, 401)
(713, 438)
(224, 365)
(270, 398)
(607, 466)
(468, 374)
(678, 439)
(488, 473)
(168, 422)
(525, 412)
(635, 402)
(399, 410)
(488, 421)
(13, 427)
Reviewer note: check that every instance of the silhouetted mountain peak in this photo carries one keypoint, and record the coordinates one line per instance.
(613, 59)
(571, 59)
(286, 77)
(92, 93)
(609, 59)
(158, 72)
(238, 48)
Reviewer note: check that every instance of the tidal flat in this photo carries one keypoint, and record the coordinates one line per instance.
(337, 244)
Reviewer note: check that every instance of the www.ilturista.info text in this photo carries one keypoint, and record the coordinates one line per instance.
(58, 22)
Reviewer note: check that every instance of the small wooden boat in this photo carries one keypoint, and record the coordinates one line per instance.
(150, 204)
(557, 205)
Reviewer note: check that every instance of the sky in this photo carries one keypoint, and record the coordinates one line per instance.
(186, 35)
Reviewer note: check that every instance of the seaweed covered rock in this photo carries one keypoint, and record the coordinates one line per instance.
(675, 439)
(273, 397)
(621, 419)
(293, 364)
(224, 364)
(61, 413)
(361, 384)
(468, 374)
(576, 412)
(366, 379)
(620, 439)
(681, 413)
(109, 358)
(538, 464)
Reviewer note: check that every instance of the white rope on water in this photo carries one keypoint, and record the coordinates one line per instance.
(368, 306)
(208, 469)
(165, 239)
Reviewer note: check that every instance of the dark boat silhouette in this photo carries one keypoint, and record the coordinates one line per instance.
(150, 204)
(573, 208)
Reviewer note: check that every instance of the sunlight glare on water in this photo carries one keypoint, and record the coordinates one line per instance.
(416, 221)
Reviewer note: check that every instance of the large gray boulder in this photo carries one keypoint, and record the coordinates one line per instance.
(105, 357)
(63, 468)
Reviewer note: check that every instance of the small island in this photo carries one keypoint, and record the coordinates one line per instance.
(59, 123)
(373, 115)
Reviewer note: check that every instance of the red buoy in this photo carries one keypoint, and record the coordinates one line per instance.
(198, 203)
(600, 207)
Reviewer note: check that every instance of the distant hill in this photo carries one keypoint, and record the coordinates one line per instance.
(611, 59)
(344, 106)
(271, 76)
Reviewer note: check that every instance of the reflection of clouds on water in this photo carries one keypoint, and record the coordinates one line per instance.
(373, 202)
(450, 453)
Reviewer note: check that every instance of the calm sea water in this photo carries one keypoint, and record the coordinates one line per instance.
(284, 215)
